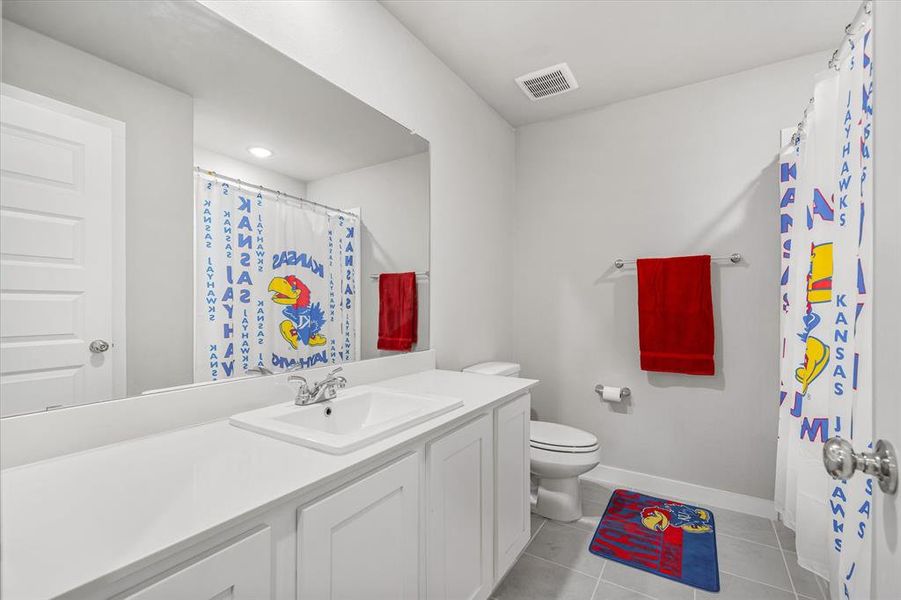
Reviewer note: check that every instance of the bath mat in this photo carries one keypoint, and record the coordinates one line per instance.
(663, 537)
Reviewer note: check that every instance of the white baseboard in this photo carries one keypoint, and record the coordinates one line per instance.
(681, 490)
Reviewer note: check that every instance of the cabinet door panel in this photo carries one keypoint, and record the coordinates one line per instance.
(240, 571)
(363, 540)
(512, 481)
(460, 525)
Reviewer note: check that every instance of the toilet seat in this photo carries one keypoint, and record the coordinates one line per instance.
(554, 437)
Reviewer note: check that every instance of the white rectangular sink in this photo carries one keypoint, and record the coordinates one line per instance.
(358, 417)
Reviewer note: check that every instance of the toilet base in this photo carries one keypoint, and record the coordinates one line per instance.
(559, 499)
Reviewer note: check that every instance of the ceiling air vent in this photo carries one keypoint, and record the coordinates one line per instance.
(547, 82)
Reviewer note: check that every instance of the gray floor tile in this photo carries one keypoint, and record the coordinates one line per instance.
(535, 579)
(736, 588)
(753, 561)
(746, 527)
(608, 591)
(805, 581)
(646, 583)
(591, 515)
(595, 492)
(567, 546)
(536, 522)
(786, 536)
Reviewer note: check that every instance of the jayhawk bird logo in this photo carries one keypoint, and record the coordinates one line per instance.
(693, 520)
(305, 319)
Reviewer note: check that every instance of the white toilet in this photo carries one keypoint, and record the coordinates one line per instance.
(559, 454)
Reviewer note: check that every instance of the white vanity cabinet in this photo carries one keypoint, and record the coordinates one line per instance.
(441, 516)
(239, 571)
(511, 460)
(460, 513)
(362, 541)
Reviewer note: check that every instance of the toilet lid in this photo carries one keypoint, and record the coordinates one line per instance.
(561, 438)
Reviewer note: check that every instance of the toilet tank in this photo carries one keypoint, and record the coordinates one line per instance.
(506, 369)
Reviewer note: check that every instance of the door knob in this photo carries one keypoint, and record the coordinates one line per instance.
(841, 461)
(99, 346)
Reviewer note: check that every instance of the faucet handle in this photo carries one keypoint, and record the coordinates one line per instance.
(303, 390)
(304, 387)
(337, 381)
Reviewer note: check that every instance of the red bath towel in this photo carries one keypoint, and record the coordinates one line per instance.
(397, 311)
(675, 315)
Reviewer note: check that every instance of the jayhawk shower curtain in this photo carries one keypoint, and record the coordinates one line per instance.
(826, 369)
(276, 281)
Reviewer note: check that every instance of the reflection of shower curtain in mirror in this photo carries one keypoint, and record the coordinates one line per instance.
(826, 354)
(275, 282)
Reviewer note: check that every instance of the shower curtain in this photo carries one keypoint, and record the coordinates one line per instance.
(826, 206)
(275, 281)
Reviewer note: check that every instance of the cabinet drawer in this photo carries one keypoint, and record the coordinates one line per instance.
(240, 571)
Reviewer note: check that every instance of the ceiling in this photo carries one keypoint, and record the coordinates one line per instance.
(245, 92)
(617, 49)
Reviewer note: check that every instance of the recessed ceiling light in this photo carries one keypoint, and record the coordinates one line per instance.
(260, 152)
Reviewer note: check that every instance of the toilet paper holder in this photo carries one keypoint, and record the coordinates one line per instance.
(623, 392)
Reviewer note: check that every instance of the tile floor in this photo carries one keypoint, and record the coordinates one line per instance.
(756, 558)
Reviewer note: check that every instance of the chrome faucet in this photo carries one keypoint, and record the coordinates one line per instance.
(327, 389)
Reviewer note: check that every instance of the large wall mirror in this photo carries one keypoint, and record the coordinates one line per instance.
(181, 204)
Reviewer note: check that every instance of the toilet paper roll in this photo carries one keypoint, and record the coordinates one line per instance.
(611, 394)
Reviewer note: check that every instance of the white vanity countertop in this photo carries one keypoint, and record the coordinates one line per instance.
(72, 520)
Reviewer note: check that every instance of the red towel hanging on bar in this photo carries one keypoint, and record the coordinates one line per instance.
(397, 311)
(675, 315)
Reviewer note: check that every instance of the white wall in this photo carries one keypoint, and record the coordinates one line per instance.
(248, 172)
(686, 171)
(360, 47)
(394, 200)
(159, 191)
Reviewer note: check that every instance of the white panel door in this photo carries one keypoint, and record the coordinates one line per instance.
(362, 542)
(459, 525)
(886, 510)
(240, 571)
(55, 258)
(511, 468)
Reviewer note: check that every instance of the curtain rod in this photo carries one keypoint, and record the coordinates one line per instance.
(263, 188)
(851, 30)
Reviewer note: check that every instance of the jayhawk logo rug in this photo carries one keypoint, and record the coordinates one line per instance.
(664, 537)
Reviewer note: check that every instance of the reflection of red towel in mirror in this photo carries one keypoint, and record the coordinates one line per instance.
(675, 315)
(397, 311)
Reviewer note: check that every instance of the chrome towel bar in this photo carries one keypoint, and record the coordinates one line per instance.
(423, 274)
(735, 257)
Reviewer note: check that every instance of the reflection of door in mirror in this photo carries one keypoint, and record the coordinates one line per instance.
(57, 337)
